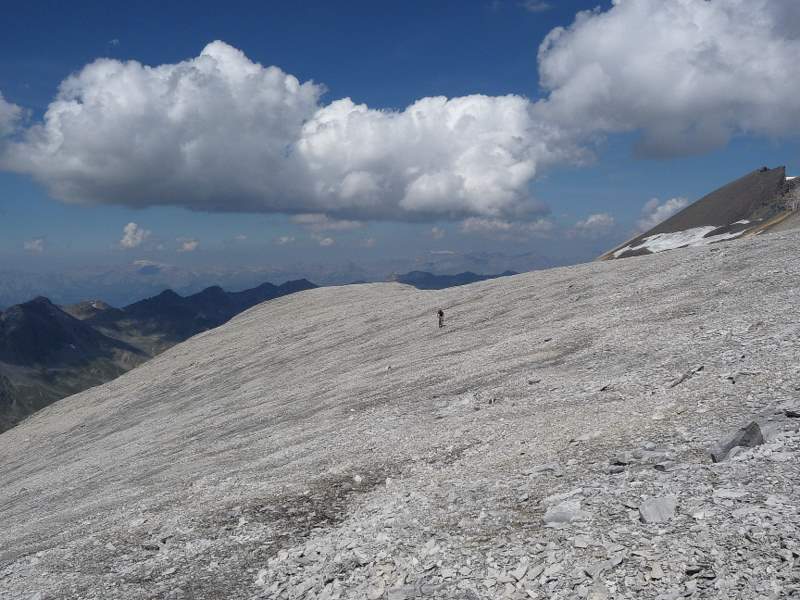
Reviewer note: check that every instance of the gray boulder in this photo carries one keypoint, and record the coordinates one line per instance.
(564, 513)
(749, 436)
(657, 510)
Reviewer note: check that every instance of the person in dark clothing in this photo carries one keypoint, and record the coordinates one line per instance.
(440, 313)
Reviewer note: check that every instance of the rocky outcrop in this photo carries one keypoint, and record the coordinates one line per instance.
(755, 203)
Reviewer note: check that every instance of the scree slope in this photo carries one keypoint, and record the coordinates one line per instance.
(551, 441)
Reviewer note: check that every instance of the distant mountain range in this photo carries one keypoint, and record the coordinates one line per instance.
(48, 352)
(761, 201)
(157, 323)
(428, 281)
(123, 283)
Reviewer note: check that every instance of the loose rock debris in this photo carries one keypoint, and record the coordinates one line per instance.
(240, 479)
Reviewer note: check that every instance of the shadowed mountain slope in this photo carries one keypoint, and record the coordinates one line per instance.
(47, 353)
(40, 333)
(551, 441)
(161, 321)
(752, 204)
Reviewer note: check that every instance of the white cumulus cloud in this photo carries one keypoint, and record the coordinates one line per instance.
(10, 116)
(322, 240)
(211, 133)
(220, 132)
(437, 233)
(655, 212)
(473, 155)
(687, 74)
(595, 225)
(507, 230)
(34, 246)
(187, 244)
(133, 235)
(284, 239)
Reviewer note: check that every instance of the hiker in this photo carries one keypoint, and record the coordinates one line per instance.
(440, 312)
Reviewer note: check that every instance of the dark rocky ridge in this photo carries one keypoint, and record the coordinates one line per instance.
(40, 333)
(750, 197)
(49, 352)
(751, 204)
(46, 354)
(163, 320)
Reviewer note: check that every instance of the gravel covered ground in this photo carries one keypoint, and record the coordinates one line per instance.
(551, 441)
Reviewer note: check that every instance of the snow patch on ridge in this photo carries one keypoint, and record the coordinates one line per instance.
(678, 239)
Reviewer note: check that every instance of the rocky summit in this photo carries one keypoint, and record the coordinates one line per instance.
(553, 440)
(765, 200)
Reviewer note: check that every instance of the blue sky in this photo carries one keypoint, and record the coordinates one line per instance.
(386, 56)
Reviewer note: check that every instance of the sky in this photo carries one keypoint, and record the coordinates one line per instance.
(172, 144)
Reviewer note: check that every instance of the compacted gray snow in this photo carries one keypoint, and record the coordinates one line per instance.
(551, 441)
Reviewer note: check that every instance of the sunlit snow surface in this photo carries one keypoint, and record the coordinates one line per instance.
(690, 237)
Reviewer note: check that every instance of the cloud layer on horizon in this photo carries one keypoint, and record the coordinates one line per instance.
(220, 132)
